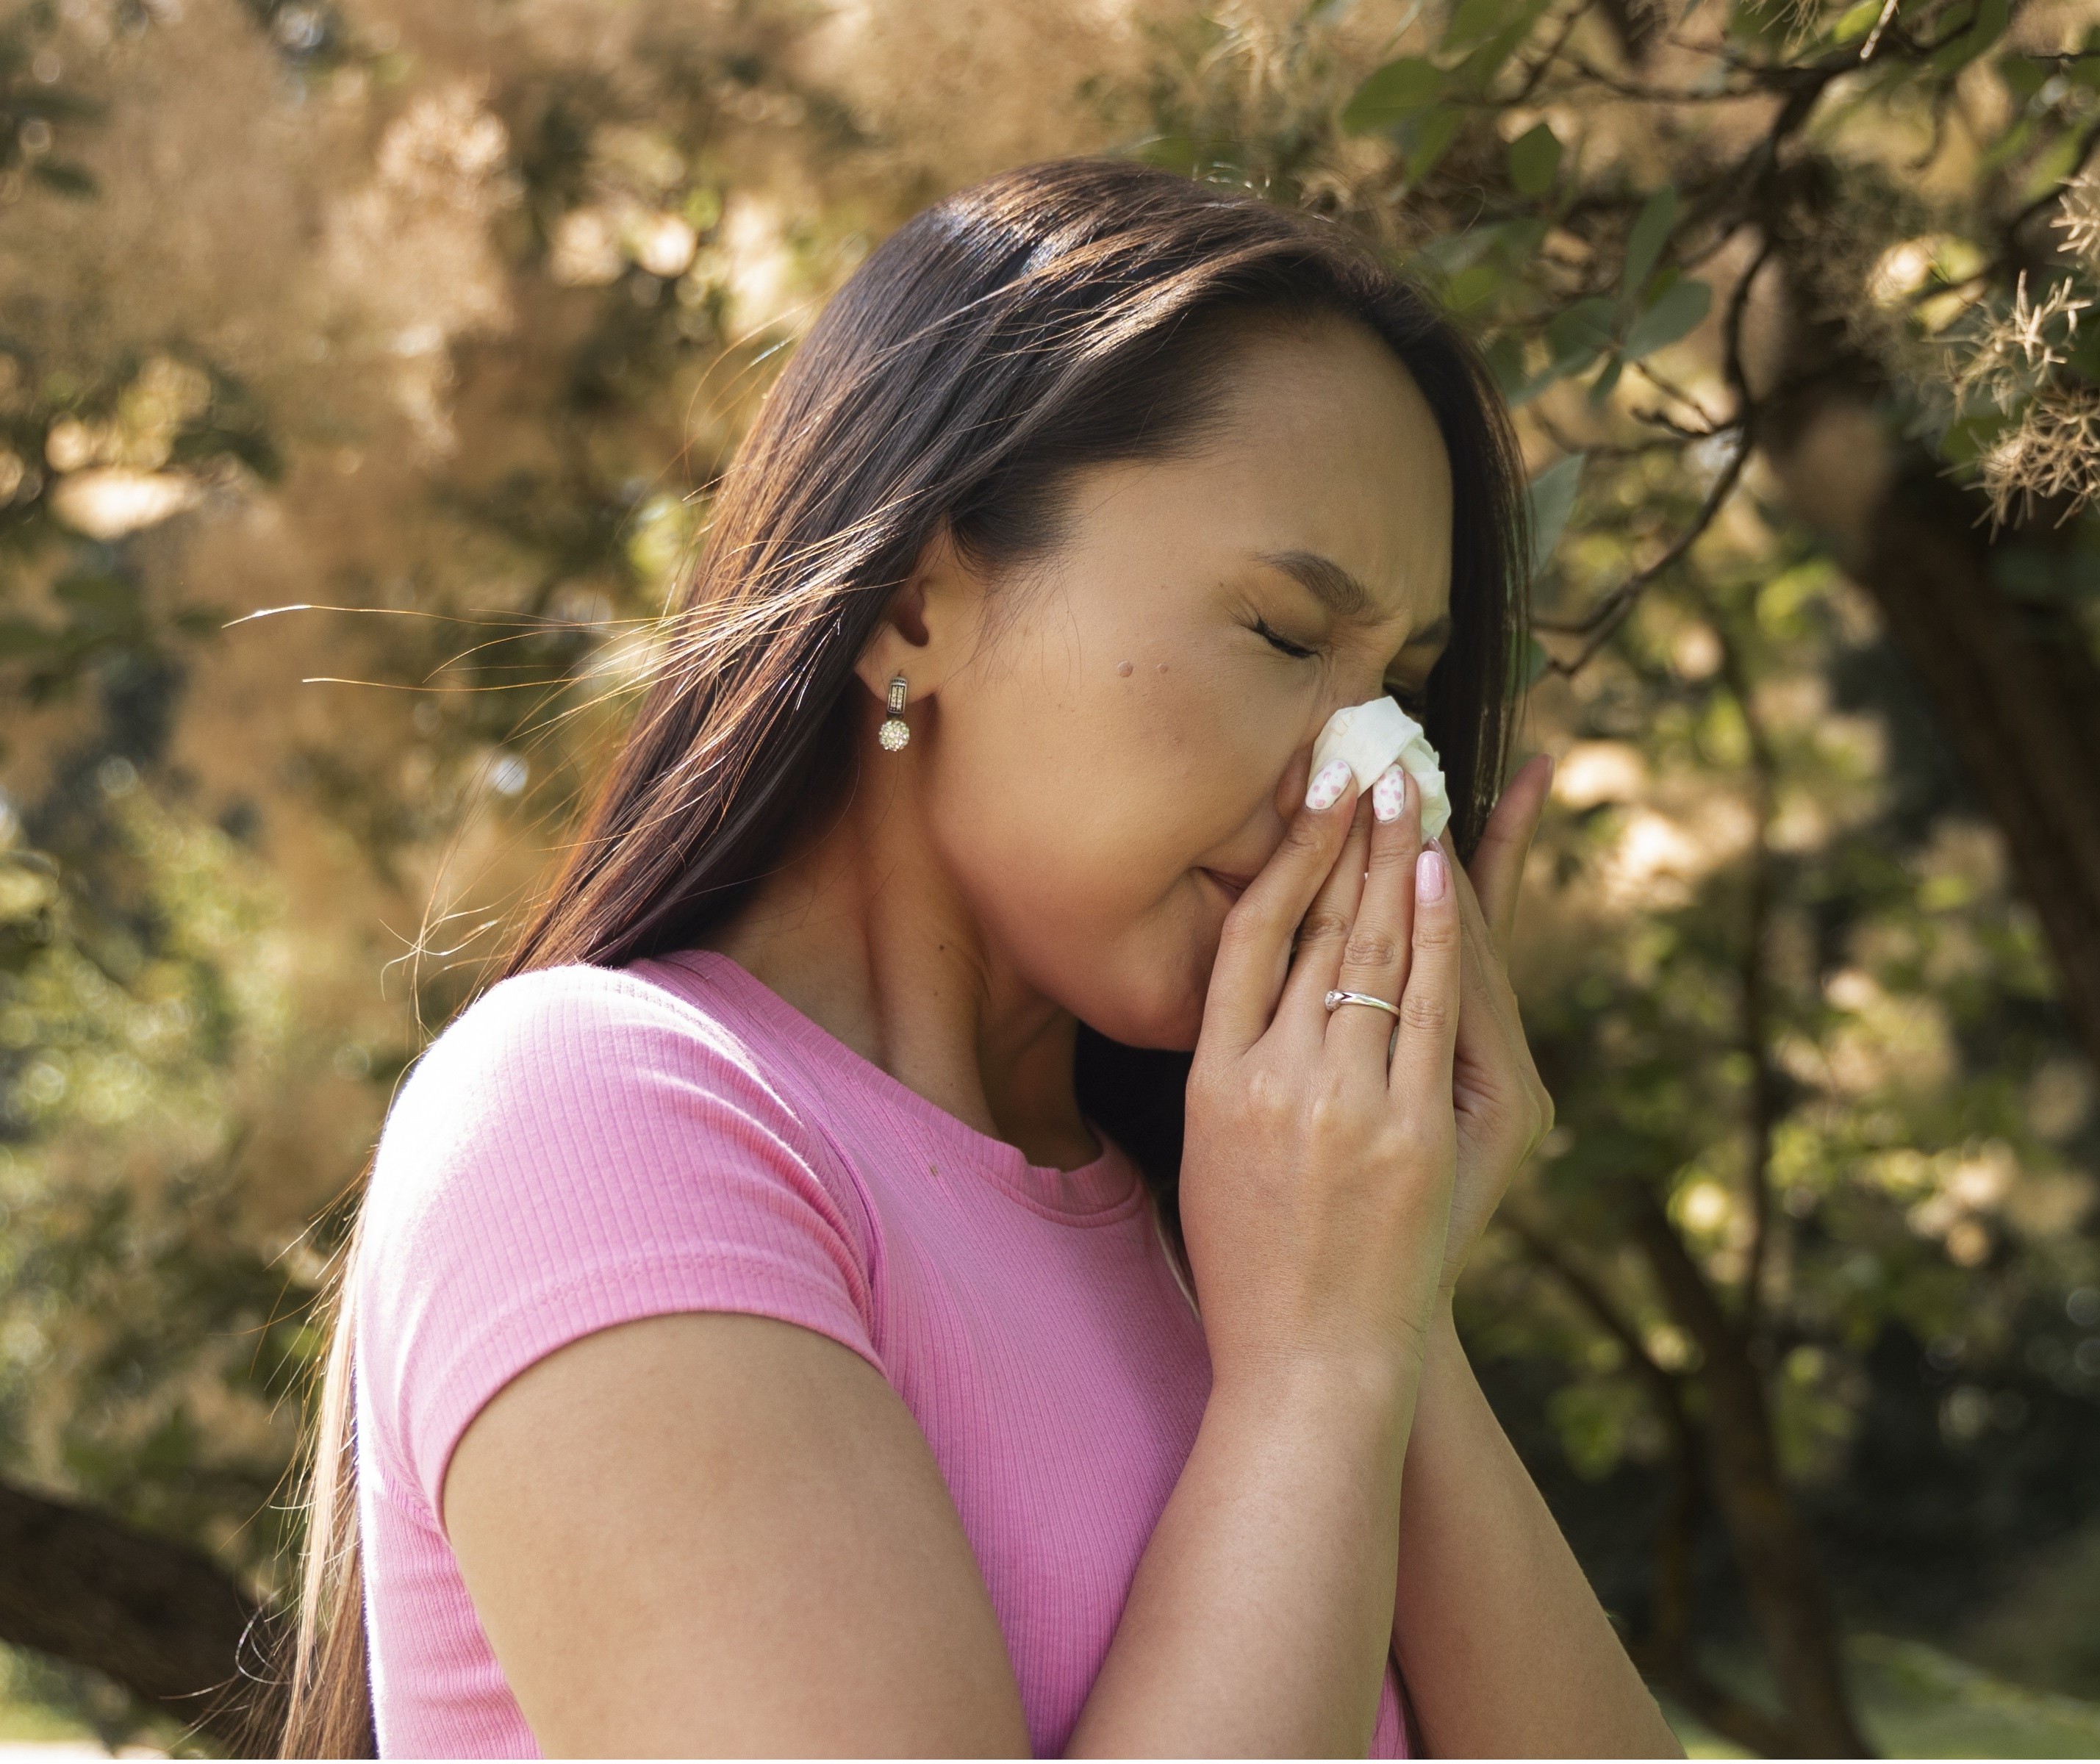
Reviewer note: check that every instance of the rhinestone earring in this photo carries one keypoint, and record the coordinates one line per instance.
(894, 731)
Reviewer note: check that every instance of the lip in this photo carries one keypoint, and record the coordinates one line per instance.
(1234, 886)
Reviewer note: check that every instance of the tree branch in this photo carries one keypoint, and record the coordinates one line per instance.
(166, 1623)
(1596, 627)
(1753, 1032)
(1665, 1653)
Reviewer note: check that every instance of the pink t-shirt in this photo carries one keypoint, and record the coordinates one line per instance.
(586, 1146)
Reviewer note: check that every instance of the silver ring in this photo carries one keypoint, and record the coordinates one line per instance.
(1336, 1000)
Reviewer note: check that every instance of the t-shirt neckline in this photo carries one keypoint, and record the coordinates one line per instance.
(1097, 1192)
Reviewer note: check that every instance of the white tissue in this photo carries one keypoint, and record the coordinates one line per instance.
(1371, 736)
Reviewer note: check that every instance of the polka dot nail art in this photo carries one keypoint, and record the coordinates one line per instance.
(1332, 779)
(1389, 794)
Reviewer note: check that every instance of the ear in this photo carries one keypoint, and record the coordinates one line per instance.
(930, 627)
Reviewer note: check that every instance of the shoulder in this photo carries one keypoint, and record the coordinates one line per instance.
(583, 1146)
(574, 1032)
(606, 1071)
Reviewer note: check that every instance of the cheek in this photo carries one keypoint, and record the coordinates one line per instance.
(1108, 790)
(1074, 828)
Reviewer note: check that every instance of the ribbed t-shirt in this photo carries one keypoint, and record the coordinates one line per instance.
(585, 1146)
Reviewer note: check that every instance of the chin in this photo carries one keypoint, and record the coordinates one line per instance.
(1165, 1011)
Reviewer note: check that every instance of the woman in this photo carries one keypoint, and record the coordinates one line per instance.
(907, 1260)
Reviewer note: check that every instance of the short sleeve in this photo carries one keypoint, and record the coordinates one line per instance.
(581, 1148)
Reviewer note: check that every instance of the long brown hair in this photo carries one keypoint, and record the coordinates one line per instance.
(1050, 318)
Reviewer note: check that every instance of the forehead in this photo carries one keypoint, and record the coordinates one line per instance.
(1327, 445)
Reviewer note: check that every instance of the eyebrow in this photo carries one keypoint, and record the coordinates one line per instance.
(1327, 582)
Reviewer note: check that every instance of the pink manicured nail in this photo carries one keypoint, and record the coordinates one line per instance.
(1430, 877)
(1389, 794)
(1333, 779)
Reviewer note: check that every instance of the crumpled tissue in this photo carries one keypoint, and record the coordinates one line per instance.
(1371, 736)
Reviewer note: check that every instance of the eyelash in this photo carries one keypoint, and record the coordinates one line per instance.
(1411, 702)
(1296, 651)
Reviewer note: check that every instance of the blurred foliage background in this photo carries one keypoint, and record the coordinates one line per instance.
(363, 370)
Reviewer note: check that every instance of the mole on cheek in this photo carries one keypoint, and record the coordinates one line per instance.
(1124, 668)
(1162, 667)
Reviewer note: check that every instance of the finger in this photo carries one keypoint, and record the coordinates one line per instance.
(1487, 1016)
(1429, 1008)
(1254, 948)
(1317, 958)
(1481, 953)
(1498, 866)
(1375, 959)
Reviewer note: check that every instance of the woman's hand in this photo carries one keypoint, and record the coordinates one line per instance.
(1316, 1182)
(1503, 1109)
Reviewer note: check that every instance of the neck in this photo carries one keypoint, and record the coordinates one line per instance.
(864, 932)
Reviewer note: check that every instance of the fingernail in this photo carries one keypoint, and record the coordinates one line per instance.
(1325, 789)
(1430, 877)
(1389, 794)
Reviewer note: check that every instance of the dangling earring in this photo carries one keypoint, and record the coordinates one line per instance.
(894, 731)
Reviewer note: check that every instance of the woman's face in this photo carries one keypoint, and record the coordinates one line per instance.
(1123, 748)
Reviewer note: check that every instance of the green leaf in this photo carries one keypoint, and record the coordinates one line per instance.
(1481, 65)
(1644, 243)
(2010, 144)
(1427, 137)
(65, 177)
(2024, 77)
(1450, 253)
(1469, 287)
(107, 598)
(1855, 21)
(1608, 377)
(2052, 166)
(1551, 496)
(19, 637)
(1531, 388)
(1986, 27)
(1170, 152)
(1534, 157)
(1578, 334)
(1969, 437)
(2084, 355)
(54, 104)
(1396, 90)
(1472, 21)
(1506, 357)
(1520, 240)
(1676, 314)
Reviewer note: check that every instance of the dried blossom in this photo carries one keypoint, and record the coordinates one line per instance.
(2078, 217)
(2055, 451)
(2008, 359)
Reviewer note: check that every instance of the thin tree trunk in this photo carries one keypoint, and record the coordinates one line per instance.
(1772, 1545)
(1664, 1653)
(165, 1622)
(2015, 689)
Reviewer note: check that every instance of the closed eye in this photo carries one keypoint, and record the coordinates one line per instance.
(1413, 699)
(1297, 651)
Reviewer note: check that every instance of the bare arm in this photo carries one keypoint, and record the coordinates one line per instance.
(1506, 1650)
(1261, 1614)
(723, 1535)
